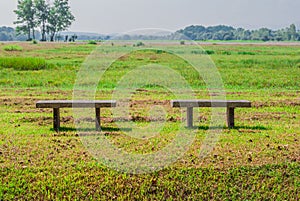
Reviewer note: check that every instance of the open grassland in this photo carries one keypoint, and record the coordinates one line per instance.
(257, 160)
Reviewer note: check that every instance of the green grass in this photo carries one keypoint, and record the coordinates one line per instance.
(263, 67)
(11, 48)
(20, 63)
(257, 160)
(93, 182)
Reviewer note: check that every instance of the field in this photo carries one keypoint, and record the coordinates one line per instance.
(257, 160)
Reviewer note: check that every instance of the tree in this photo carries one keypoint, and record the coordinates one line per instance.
(26, 14)
(292, 32)
(38, 13)
(59, 18)
(264, 34)
(42, 12)
(6, 33)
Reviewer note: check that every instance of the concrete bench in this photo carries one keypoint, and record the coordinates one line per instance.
(229, 104)
(57, 104)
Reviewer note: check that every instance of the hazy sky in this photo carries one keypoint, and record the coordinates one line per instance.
(112, 16)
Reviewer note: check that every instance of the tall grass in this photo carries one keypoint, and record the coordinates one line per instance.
(12, 48)
(23, 63)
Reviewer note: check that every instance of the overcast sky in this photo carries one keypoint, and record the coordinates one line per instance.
(118, 16)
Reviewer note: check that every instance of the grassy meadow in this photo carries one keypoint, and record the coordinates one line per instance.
(257, 160)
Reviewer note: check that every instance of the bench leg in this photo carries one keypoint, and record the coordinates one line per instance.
(56, 119)
(98, 125)
(189, 116)
(230, 117)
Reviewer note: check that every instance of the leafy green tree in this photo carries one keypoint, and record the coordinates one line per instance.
(59, 18)
(218, 36)
(26, 18)
(292, 32)
(7, 33)
(279, 35)
(265, 34)
(42, 13)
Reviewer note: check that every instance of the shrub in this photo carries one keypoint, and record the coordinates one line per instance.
(159, 51)
(209, 51)
(92, 42)
(12, 48)
(246, 53)
(34, 42)
(139, 44)
(202, 52)
(182, 42)
(22, 63)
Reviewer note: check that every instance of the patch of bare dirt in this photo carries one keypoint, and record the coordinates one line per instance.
(279, 103)
(124, 58)
(149, 102)
(270, 116)
(18, 102)
(57, 93)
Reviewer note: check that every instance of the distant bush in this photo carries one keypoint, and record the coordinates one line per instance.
(139, 44)
(159, 51)
(12, 48)
(246, 53)
(34, 42)
(92, 42)
(203, 52)
(26, 63)
(182, 42)
(210, 52)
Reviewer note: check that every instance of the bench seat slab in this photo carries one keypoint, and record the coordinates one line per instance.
(75, 104)
(210, 103)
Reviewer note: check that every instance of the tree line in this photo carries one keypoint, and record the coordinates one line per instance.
(222, 32)
(40, 16)
(9, 34)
